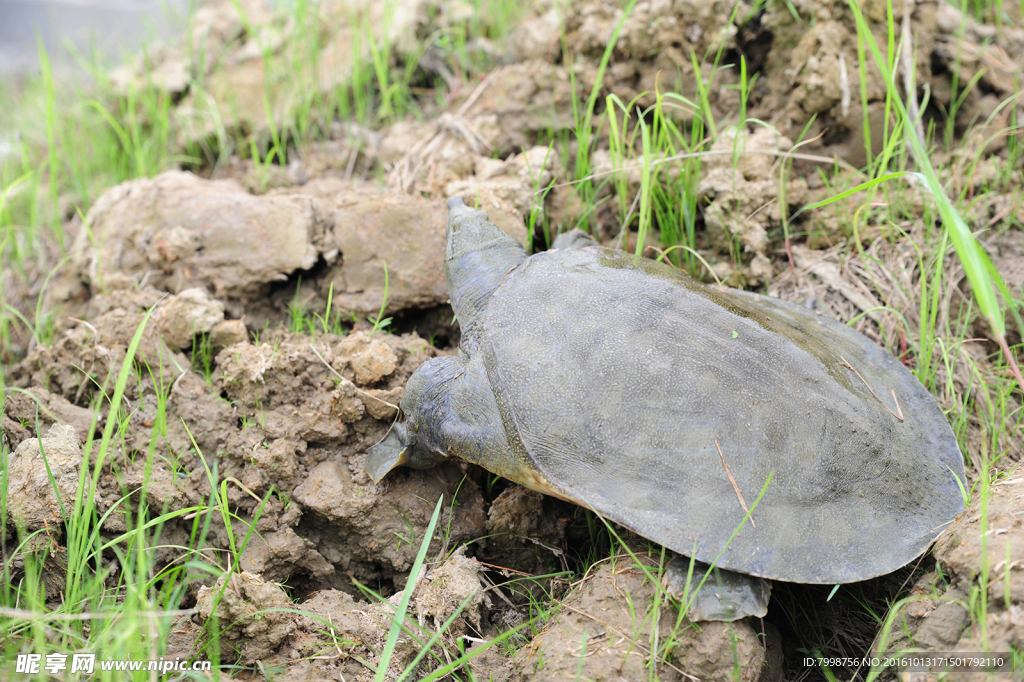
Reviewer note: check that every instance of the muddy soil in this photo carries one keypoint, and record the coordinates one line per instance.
(263, 361)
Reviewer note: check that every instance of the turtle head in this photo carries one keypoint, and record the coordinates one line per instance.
(413, 442)
(478, 254)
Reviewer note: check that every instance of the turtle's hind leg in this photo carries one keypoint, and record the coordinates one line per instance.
(725, 595)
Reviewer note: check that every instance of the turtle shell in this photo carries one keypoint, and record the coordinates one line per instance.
(615, 376)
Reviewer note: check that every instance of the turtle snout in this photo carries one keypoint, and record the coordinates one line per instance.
(456, 209)
(386, 455)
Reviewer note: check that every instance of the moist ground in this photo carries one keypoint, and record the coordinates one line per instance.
(264, 372)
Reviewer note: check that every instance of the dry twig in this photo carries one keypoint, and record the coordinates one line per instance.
(898, 414)
(734, 485)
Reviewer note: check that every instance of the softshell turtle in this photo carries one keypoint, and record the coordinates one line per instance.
(632, 389)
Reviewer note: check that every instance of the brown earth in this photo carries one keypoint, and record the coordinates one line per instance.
(287, 417)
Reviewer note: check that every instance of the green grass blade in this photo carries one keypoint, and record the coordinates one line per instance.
(434, 638)
(972, 255)
(410, 587)
(853, 190)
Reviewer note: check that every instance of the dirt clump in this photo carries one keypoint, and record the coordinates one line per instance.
(186, 232)
(338, 633)
(375, 531)
(940, 614)
(280, 554)
(653, 49)
(819, 75)
(514, 186)
(251, 616)
(310, 409)
(224, 77)
(604, 628)
(288, 419)
(526, 531)
(187, 314)
(444, 590)
(32, 501)
(234, 253)
(21, 411)
(743, 195)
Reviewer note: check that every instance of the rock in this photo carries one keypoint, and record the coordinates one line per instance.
(186, 314)
(250, 625)
(440, 594)
(614, 640)
(31, 499)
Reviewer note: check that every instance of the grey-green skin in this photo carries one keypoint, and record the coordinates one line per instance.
(723, 595)
(606, 380)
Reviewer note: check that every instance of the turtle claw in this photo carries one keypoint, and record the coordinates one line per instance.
(725, 595)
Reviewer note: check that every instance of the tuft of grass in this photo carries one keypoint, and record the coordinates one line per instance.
(128, 606)
(380, 322)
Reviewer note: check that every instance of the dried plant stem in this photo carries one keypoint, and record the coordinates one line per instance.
(1010, 359)
(734, 485)
(899, 412)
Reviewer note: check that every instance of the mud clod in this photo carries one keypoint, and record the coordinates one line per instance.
(373, 360)
(360, 524)
(599, 633)
(182, 234)
(522, 527)
(443, 591)
(744, 199)
(250, 623)
(241, 371)
(279, 555)
(938, 616)
(31, 498)
(21, 411)
(189, 313)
